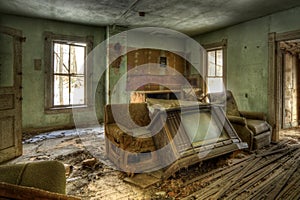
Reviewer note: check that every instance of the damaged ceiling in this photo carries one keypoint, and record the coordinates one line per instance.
(191, 17)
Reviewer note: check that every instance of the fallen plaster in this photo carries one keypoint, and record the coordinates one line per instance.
(93, 178)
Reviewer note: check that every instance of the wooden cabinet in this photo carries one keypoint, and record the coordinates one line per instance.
(145, 72)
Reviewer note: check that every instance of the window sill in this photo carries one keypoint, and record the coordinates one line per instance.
(68, 109)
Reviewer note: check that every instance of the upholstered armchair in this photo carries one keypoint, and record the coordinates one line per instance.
(251, 127)
(126, 136)
(34, 180)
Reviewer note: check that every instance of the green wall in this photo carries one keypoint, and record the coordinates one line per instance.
(247, 61)
(33, 115)
(247, 55)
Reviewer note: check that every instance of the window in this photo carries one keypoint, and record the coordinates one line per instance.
(215, 78)
(66, 69)
(69, 74)
(215, 70)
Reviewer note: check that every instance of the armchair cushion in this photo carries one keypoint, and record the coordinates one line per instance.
(45, 175)
(115, 133)
(18, 192)
(128, 115)
(257, 126)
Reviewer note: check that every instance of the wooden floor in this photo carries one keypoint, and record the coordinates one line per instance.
(269, 174)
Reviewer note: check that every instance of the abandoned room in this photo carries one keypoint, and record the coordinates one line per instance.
(149, 100)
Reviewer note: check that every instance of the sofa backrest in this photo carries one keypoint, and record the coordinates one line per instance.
(129, 115)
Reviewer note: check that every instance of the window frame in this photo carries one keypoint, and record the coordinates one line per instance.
(222, 45)
(50, 38)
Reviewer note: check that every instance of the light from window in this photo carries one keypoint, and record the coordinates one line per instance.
(69, 74)
(215, 71)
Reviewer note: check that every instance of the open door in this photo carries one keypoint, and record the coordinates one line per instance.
(10, 93)
(290, 50)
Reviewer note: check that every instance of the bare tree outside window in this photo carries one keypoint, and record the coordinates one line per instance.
(69, 74)
(215, 70)
(66, 69)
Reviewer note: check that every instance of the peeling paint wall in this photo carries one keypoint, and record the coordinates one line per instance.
(114, 74)
(33, 115)
(247, 55)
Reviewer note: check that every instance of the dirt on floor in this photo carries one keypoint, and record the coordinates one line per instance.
(91, 176)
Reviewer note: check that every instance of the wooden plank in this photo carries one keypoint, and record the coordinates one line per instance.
(274, 152)
(236, 178)
(275, 176)
(222, 171)
(283, 181)
(215, 186)
(269, 161)
(292, 185)
(142, 180)
(256, 177)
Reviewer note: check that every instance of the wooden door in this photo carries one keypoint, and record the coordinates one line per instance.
(10, 93)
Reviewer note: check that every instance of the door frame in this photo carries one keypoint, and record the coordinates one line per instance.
(275, 82)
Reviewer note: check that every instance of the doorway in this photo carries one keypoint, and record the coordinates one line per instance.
(284, 81)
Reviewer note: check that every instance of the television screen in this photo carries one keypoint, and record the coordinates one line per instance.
(202, 128)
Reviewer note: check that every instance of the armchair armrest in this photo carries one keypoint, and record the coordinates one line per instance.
(253, 115)
(19, 192)
(237, 120)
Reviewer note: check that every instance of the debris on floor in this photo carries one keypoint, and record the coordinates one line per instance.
(264, 174)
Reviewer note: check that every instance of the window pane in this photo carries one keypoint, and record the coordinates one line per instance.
(211, 63)
(219, 63)
(61, 58)
(77, 59)
(61, 90)
(215, 85)
(77, 90)
(6, 61)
